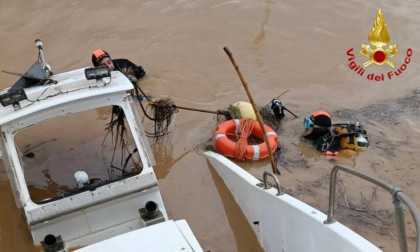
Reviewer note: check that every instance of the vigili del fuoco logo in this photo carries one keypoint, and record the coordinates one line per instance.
(379, 54)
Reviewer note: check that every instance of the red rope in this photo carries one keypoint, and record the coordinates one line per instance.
(247, 125)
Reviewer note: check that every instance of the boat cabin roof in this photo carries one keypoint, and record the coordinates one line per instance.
(71, 86)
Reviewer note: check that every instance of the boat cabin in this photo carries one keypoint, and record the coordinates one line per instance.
(77, 157)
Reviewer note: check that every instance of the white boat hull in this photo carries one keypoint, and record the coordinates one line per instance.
(168, 236)
(283, 223)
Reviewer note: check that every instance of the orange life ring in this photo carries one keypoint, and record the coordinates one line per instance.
(253, 152)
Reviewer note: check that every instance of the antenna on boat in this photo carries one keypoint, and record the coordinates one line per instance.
(46, 67)
(38, 73)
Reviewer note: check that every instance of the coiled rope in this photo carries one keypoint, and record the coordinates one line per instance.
(247, 125)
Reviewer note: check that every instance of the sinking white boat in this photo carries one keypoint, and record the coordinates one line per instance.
(79, 186)
(283, 223)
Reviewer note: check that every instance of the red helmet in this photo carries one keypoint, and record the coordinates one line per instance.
(321, 118)
(98, 55)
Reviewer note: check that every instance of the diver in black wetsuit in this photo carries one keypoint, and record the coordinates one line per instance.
(101, 58)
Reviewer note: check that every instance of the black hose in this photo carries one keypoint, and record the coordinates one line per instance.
(156, 134)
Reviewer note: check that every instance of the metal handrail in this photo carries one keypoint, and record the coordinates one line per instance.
(276, 180)
(398, 196)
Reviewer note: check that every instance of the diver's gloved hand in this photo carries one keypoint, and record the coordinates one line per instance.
(140, 72)
(277, 108)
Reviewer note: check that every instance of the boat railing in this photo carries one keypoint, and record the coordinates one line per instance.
(398, 196)
(266, 185)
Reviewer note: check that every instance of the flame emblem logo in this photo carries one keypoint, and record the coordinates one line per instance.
(379, 37)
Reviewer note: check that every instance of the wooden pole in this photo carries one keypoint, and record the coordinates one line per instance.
(219, 112)
(290, 112)
(198, 110)
(257, 113)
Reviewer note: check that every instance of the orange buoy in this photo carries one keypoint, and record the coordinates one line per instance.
(253, 152)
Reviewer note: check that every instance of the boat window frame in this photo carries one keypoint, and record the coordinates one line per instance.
(12, 160)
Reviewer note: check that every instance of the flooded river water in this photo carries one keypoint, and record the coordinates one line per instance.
(300, 46)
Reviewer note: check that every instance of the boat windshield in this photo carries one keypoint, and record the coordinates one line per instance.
(95, 143)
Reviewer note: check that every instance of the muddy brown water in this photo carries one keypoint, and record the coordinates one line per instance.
(299, 46)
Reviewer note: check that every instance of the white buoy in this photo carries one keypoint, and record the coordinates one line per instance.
(81, 178)
(246, 110)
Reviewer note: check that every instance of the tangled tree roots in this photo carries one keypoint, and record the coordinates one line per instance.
(269, 118)
(162, 111)
(234, 112)
(118, 131)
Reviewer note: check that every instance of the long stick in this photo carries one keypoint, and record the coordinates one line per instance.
(257, 113)
(290, 112)
(278, 96)
(219, 112)
(199, 110)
